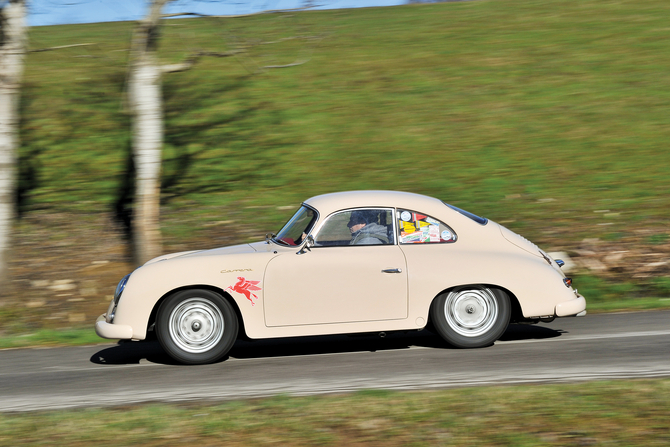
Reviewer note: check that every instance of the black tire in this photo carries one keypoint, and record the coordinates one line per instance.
(472, 316)
(196, 326)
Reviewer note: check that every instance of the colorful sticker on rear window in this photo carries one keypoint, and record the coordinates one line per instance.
(408, 227)
(447, 236)
(425, 234)
(434, 233)
(411, 237)
(406, 216)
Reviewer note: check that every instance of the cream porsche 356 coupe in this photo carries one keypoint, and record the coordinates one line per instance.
(350, 262)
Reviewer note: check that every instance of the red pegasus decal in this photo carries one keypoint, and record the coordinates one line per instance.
(245, 287)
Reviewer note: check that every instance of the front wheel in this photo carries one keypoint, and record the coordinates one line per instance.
(471, 317)
(196, 326)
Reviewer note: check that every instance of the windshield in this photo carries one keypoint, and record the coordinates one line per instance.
(297, 228)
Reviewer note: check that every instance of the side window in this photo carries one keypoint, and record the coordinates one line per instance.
(415, 228)
(362, 226)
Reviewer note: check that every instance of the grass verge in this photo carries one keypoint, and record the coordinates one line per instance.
(616, 413)
(603, 295)
(51, 337)
(629, 305)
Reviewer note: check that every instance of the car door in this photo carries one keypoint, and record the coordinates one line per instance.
(337, 281)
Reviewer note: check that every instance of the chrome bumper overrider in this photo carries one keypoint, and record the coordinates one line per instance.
(113, 331)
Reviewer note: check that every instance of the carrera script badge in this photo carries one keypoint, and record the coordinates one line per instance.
(246, 288)
(236, 270)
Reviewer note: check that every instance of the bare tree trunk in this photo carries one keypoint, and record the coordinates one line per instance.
(145, 101)
(13, 43)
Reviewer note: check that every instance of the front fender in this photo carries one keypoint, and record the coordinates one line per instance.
(150, 283)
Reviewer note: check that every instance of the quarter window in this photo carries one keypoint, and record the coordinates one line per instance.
(417, 228)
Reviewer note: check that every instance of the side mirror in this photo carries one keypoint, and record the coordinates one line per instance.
(268, 237)
(309, 243)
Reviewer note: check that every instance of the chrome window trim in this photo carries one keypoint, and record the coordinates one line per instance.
(316, 221)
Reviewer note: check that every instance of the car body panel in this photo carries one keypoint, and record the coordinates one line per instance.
(283, 290)
(336, 285)
(216, 269)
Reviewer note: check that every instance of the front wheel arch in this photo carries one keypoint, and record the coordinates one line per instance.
(241, 333)
(196, 326)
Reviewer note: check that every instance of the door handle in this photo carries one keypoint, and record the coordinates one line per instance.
(392, 271)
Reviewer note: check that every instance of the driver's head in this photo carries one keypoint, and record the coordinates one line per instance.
(357, 220)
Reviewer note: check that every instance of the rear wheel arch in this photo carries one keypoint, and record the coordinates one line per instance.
(517, 312)
(473, 315)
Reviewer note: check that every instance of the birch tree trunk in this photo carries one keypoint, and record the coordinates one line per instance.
(13, 43)
(145, 101)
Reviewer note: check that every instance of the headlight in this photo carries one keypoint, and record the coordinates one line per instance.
(120, 287)
(111, 312)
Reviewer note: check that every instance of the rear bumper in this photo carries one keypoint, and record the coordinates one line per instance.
(113, 331)
(571, 308)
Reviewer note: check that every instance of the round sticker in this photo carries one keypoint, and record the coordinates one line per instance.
(446, 235)
(406, 216)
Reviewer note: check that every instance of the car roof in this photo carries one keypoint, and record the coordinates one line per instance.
(329, 203)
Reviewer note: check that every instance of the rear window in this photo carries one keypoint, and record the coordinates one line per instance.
(476, 218)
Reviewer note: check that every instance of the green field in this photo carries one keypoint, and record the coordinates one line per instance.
(550, 117)
(474, 102)
(631, 413)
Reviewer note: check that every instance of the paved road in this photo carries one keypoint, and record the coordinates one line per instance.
(628, 345)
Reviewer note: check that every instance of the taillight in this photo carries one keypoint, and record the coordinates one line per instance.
(567, 282)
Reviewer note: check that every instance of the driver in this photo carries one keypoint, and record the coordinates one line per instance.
(364, 231)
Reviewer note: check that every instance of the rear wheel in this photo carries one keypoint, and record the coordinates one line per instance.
(472, 316)
(196, 326)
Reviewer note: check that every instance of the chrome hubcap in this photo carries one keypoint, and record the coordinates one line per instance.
(196, 325)
(471, 312)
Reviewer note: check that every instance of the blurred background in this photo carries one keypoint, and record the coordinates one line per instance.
(548, 117)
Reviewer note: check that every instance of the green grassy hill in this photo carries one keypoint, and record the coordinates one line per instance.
(551, 117)
(472, 102)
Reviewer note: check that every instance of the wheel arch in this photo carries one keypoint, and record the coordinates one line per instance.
(517, 313)
(226, 296)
